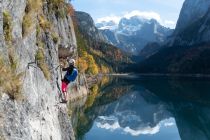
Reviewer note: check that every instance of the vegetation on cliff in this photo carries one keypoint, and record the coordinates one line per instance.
(7, 26)
(95, 55)
(10, 78)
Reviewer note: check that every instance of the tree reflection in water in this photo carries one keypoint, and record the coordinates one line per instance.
(141, 105)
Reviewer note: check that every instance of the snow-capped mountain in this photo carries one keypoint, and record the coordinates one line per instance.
(106, 25)
(132, 34)
(188, 49)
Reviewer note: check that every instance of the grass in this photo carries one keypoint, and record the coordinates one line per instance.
(38, 31)
(44, 23)
(27, 24)
(69, 112)
(55, 37)
(32, 7)
(42, 64)
(58, 7)
(61, 12)
(10, 79)
(7, 26)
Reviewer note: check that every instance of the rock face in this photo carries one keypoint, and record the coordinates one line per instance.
(39, 115)
(187, 50)
(193, 24)
(133, 34)
(87, 26)
(196, 33)
(104, 53)
(191, 11)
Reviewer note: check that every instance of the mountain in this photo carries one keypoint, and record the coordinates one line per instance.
(132, 34)
(106, 56)
(188, 49)
(195, 33)
(191, 11)
(150, 49)
(189, 29)
(178, 60)
(106, 25)
(87, 26)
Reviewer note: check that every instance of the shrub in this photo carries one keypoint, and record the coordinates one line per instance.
(27, 24)
(56, 3)
(93, 68)
(10, 79)
(61, 12)
(7, 26)
(85, 58)
(55, 37)
(33, 5)
(58, 7)
(104, 69)
(70, 10)
(82, 65)
(44, 23)
(38, 31)
(42, 64)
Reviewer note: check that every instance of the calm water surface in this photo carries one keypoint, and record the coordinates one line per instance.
(144, 108)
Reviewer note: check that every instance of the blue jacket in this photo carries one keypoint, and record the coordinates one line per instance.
(72, 77)
(71, 74)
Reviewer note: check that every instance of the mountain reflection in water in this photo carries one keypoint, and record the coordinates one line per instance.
(145, 108)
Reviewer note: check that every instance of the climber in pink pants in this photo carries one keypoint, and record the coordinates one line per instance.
(70, 76)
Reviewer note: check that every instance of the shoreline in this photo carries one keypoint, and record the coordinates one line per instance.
(159, 74)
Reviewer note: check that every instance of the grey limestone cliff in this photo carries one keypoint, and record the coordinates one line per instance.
(38, 115)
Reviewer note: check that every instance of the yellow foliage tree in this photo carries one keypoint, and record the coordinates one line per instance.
(93, 68)
(104, 69)
(82, 65)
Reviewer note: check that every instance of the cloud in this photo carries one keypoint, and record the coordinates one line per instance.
(167, 124)
(144, 131)
(113, 18)
(111, 123)
(169, 23)
(143, 14)
(140, 131)
(108, 126)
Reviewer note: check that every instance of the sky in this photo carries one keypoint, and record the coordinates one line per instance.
(165, 11)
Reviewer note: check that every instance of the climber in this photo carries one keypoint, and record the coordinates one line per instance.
(70, 76)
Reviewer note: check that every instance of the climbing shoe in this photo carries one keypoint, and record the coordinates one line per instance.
(63, 101)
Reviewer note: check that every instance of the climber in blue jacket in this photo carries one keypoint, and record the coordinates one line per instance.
(70, 76)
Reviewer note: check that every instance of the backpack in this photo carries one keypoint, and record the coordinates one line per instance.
(72, 77)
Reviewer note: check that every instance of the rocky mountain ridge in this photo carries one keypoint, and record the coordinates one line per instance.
(92, 42)
(133, 34)
(187, 50)
(191, 11)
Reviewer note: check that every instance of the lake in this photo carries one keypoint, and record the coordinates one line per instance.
(144, 108)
